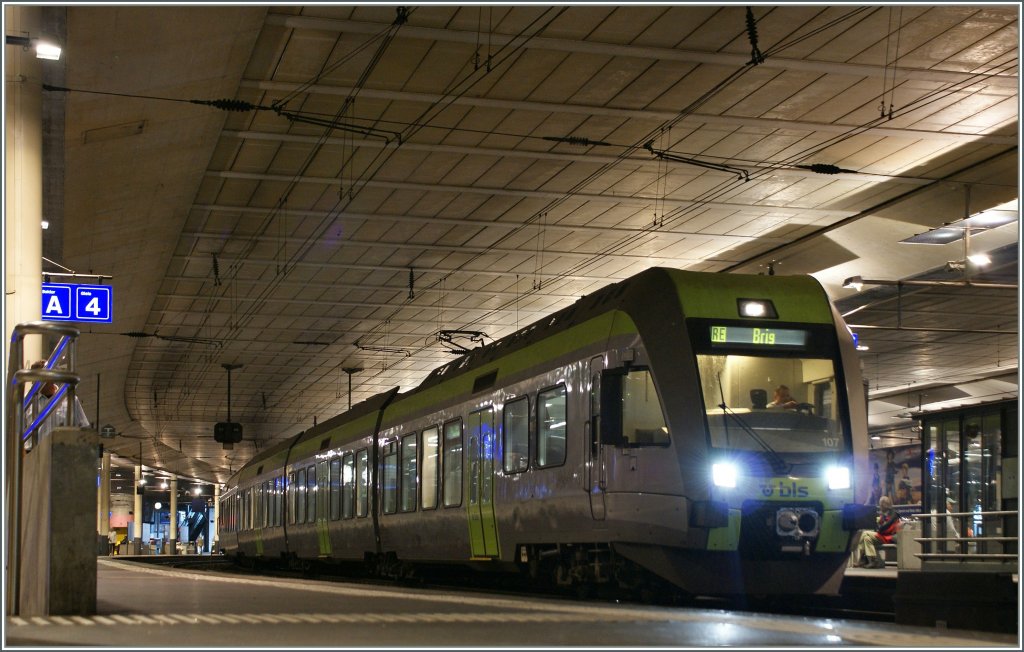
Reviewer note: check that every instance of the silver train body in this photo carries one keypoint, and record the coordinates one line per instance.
(623, 440)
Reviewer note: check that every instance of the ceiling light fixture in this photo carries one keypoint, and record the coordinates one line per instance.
(44, 49)
(853, 283)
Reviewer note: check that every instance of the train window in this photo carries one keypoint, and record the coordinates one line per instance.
(516, 420)
(643, 423)
(428, 494)
(278, 500)
(348, 485)
(409, 463)
(264, 497)
(809, 420)
(335, 488)
(389, 486)
(300, 496)
(362, 484)
(292, 498)
(551, 427)
(310, 494)
(452, 461)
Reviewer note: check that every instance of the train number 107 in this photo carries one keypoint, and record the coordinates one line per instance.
(830, 442)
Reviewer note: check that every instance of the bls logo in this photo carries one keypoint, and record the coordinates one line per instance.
(783, 490)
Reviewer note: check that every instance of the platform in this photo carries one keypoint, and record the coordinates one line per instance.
(142, 605)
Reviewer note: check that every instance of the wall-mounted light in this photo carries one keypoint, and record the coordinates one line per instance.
(46, 225)
(44, 49)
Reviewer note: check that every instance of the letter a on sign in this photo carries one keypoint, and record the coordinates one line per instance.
(56, 301)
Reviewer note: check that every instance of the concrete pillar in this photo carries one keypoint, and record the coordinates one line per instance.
(216, 519)
(172, 547)
(103, 504)
(23, 179)
(137, 522)
(58, 571)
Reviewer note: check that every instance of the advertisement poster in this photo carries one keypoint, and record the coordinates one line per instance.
(896, 472)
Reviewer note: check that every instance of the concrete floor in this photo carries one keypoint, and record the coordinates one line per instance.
(142, 605)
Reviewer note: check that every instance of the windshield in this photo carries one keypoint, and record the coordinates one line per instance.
(788, 402)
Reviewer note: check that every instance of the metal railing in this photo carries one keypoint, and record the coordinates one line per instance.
(18, 429)
(997, 550)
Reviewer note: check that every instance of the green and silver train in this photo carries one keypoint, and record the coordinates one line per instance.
(625, 440)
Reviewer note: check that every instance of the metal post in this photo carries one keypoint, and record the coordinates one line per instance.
(350, 371)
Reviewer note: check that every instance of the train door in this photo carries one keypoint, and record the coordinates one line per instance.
(483, 532)
(595, 466)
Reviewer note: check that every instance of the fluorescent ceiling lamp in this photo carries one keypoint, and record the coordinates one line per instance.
(954, 231)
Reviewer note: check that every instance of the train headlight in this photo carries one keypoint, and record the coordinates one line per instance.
(838, 477)
(724, 474)
(757, 308)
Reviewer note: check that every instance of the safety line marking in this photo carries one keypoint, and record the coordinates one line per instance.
(859, 633)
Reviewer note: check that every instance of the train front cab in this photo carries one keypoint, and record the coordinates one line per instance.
(770, 492)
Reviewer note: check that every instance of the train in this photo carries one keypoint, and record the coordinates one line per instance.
(624, 441)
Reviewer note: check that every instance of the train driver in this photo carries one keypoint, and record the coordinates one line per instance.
(782, 398)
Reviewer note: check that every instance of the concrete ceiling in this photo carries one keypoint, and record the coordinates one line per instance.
(386, 177)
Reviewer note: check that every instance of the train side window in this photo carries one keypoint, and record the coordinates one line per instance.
(389, 487)
(428, 494)
(516, 428)
(452, 461)
(409, 464)
(335, 488)
(362, 484)
(278, 499)
(264, 499)
(643, 421)
(292, 498)
(300, 496)
(551, 427)
(348, 486)
(310, 494)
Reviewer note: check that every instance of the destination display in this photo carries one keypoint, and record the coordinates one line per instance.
(754, 336)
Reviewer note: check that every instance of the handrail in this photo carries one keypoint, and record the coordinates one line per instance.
(15, 427)
(975, 549)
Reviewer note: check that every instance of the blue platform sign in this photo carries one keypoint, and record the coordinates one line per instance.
(71, 302)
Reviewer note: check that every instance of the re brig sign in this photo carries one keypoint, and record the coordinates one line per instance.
(71, 302)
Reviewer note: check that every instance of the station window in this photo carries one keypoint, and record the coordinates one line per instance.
(389, 485)
(516, 419)
(300, 496)
(409, 467)
(362, 484)
(452, 461)
(428, 493)
(348, 486)
(310, 494)
(551, 427)
(335, 488)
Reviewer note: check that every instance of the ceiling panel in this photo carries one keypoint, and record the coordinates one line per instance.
(285, 244)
